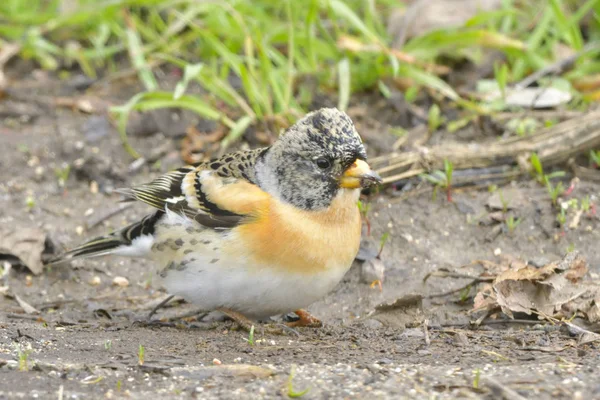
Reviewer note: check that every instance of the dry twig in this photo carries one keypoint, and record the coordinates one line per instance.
(496, 160)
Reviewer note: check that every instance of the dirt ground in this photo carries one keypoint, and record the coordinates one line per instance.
(85, 342)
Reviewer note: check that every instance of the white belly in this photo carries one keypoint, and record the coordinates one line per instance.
(256, 293)
(215, 269)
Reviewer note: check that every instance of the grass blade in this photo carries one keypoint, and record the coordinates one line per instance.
(190, 72)
(344, 83)
(343, 11)
(236, 131)
(136, 54)
(428, 80)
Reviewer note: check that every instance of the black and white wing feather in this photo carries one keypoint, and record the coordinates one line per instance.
(194, 192)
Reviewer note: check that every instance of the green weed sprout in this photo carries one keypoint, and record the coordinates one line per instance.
(441, 180)
(434, 118)
(512, 223)
(141, 355)
(290, 385)
(251, 336)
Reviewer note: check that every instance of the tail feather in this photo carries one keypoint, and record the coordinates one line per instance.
(131, 240)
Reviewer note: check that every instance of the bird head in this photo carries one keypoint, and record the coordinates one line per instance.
(315, 159)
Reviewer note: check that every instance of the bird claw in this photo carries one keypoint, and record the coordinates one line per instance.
(306, 320)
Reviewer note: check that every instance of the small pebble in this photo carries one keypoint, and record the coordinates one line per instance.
(372, 270)
(216, 361)
(408, 237)
(79, 230)
(497, 251)
(95, 281)
(33, 161)
(94, 187)
(28, 280)
(120, 281)
(88, 212)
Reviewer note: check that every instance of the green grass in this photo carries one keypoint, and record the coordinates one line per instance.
(23, 356)
(291, 392)
(141, 354)
(512, 223)
(250, 339)
(254, 58)
(441, 179)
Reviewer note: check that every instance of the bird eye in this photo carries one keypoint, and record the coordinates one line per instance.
(323, 163)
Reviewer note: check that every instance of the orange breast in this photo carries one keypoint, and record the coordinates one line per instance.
(281, 236)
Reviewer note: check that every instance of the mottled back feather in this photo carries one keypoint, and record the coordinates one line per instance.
(166, 192)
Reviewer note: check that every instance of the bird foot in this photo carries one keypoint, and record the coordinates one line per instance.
(246, 324)
(306, 320)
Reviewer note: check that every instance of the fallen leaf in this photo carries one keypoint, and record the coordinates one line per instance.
(557, 290)
(539, 290)
(485, 299)
(406, 311)
(29, 309)
(23, 246)
(577, 270)
(585, 336)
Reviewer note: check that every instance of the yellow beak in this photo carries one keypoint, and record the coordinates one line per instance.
(359, 175)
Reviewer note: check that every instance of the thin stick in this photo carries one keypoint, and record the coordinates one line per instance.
(501, 391)
(444, 294)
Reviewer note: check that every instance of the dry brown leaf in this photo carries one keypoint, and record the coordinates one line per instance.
(24, 244)
(557, 290)
(593, 311)
(585, 336)
(546, 290)
(527, 273)
(577, 271)
(485, 299)
(404, 312)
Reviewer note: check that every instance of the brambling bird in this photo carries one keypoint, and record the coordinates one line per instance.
(255, 233)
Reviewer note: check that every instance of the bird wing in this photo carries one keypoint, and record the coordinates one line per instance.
(216, 194)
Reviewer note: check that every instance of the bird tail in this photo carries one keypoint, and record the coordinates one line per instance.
(133, 240)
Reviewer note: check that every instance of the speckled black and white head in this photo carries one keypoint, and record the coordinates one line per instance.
(314, 159)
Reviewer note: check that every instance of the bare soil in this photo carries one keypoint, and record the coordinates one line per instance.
(85, 342)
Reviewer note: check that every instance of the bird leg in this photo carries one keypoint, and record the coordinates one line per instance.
(158, 306)
(306, 320)
(240, 319)
(246, 324)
